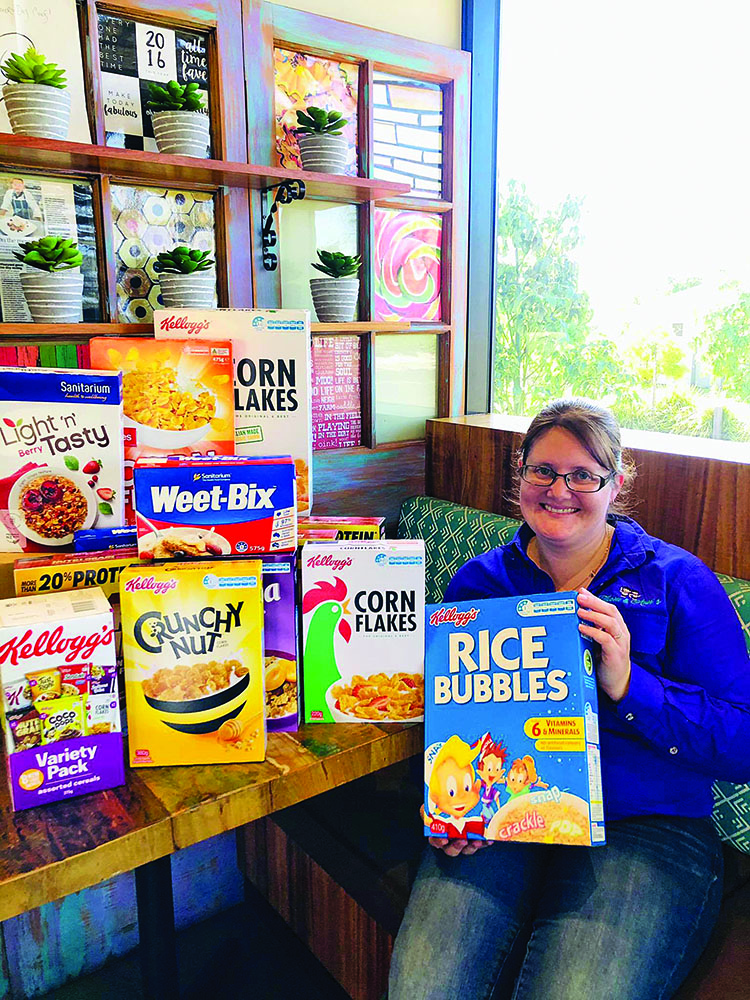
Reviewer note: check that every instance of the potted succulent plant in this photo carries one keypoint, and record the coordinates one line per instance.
(181, 125)
(187, 278)
(53, 286)
(35, 96)
(322, 146)
(335, 296)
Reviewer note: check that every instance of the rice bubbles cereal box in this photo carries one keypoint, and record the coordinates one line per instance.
(60, 704)
(363, 631)
(511, 723)
(272, 378)
(194, 671)
(61, 456)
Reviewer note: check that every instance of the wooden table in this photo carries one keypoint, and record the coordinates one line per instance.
(58, 849)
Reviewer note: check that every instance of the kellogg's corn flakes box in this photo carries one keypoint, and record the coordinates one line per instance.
(194, 671)
(177, 398)
(60, 455)
(272, 380)
(192, 508)
(60, 707)
(511, 723)
(363, 631)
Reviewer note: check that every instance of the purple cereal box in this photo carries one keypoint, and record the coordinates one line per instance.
(67, 742)
(280, 638)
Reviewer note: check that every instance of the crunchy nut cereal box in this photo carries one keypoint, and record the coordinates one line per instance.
(363, 631)
(52, 647)
(177, 398)
(272, 380)
(61, 456)
(511, 723)
(194, 671)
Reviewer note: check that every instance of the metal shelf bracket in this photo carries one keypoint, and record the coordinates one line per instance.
(286, 192)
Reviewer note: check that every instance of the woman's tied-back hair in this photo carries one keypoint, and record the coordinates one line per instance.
(593, 425)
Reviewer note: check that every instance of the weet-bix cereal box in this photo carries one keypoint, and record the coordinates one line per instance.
(511, 723)
(212, 507)
(193, 646)
(363, 631)
(101, 539)
(280, 639)
(60, 454)
(177, 398)
(60, 704)
(272, 382)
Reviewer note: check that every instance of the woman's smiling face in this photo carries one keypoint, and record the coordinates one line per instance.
(556, 514)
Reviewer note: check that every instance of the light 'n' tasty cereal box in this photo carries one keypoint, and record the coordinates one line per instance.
(60, 711)
(177, 398)
(194, 670)
(511, 722)
(192, 508)
(363, 631)
(272, 381)
(61, 456)
(280, 636)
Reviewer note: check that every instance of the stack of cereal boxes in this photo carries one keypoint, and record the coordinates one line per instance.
(61, 718)
(511, 723)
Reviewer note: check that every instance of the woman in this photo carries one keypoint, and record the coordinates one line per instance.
(626, 921)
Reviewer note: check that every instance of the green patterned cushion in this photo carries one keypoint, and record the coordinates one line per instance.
(453, 533)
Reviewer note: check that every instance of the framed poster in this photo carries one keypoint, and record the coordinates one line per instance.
(52, 29)
(336, 393)
(133, 54)
(32, 206)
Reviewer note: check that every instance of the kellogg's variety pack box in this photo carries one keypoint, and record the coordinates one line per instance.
(212, 507)
(194, 670)
(272, 382)
(60, 711)
(177, 398)
(280, 638)
(61, 456)
(363, 631)
(511, 723)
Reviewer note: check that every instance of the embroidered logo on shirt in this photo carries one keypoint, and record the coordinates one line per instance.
(631, 598)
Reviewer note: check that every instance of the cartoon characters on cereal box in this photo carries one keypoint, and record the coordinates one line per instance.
(511, 733)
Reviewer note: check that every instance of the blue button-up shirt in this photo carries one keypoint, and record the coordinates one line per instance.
(686, 717)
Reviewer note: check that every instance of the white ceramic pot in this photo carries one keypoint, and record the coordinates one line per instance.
(335, 299)
(53, 297)
(182, 133)
(37, 109)
(325, 154)
(189, 291)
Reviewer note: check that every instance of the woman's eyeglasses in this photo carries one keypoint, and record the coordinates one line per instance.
(579, 481)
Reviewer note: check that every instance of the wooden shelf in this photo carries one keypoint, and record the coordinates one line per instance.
(20, 151)
(31, 332)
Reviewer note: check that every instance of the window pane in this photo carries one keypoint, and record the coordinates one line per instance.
(32, 207)
(408, 133)
(303, 81)
(336, 393)
(148, 221)
(622, 257)
(407, 265)
(305, 227)
(405, 385)
(132, 54)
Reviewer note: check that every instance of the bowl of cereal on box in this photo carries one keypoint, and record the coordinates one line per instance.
(48, 505)
(165, 412)
(198, 697)
(183, 543)
(281, 685)
(393, 696)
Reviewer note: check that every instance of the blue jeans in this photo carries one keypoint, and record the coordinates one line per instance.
(538, 922)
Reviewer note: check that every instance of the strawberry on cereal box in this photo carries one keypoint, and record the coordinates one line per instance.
(177, 398)
(511, 731)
